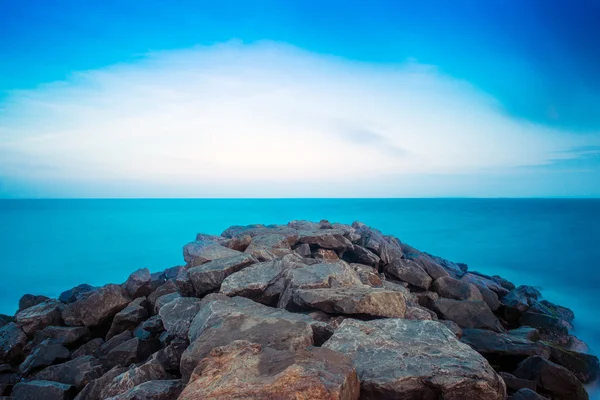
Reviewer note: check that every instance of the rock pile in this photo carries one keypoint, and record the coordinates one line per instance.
(300, 311)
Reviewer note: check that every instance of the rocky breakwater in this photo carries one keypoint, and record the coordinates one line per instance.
(300, 311)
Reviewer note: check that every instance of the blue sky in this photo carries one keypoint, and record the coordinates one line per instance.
(506, 98)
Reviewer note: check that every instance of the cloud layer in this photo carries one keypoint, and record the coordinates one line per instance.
(265, 120)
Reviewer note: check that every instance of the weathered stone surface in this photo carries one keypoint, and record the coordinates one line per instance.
(526, 332)
(514, 384)
(166, 288)
(78, 372)
(428, 264)
(325, 255)
(394, 359)
(12, 341)
(355, 300)
(467, 314)
(303, 250)
(208, 277)
(490, 290)
(39, 316)
(584, 366)
(456, 289)
(93, 390)
(88, 348)
(152, 390)
(132, 351)
(503, 350)
(95, 307)
(553, 330)
(30, 300)
(418, 313)
(177, 315)
(247, 370)
(258, 282)
(332, 239)
(203, 251)
(526, 394)
(559, 311)
(323, 275)
(551, 379)
(114, 342)
(506, 284)
(42, 390)
(44, 354)
(64, 335)
(170, 357)
(408, 271)
(453, 327)
(361, 255)
(129, 379)
(73, 294)
(164, 300)
(139, 283)
(183, 282)
(129, 317)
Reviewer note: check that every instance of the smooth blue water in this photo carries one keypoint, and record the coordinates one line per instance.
(47, 246)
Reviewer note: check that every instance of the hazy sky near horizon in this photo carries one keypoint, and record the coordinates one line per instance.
(305, 98)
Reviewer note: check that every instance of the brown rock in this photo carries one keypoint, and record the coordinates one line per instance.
(203, 251)
(208, 277)
(39, 316)
(139, 283)
(30, 300)
(247, 370)
(96, 307)
(552, 379)
(12, 342)
(455, 289)
(467, 314)
(408, 271)
(78, 372)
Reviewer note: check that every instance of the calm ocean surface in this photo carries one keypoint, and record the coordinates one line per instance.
(47, 246)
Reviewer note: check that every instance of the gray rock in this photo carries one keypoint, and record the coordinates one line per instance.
(584, 366)
(71, 295)
(303, 250)
(95, 307)
(39, 316)
(490, 290)
(394, 359)
(526, 332)
(408, 271)
(428, 264)
(12, 342)
(367, 275)
(455, 289)
(93, 390)
(164, 300)
(113, 342)
(42, 390)
(30, 300)
(164, 289)
(514, 384)
(452, 327)
(467, 314)
(553, 330)
(129, 352)
(203, 251)
(133, 377)
(139, 283)
(177, 315)
(332, 239)
(361, 255)
(152, 390)
(64, 335)
(208, 277)
(526, 394)
(44, 354)
(356, 300)
(87, 349)
(78, 372)
(129, 317)
(552, 379)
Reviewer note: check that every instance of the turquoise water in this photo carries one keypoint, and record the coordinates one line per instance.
(48, 246)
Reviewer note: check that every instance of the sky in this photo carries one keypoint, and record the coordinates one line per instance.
(299, 98)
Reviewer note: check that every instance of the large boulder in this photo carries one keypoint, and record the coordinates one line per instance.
(42, 390)
(514, 384)
(332, 239)
(394, 358)
(368, 275)
(247, 370)
(526, 394)
(134, 376)
(93, 390)
(73, 294)
(12, 341)
(434, 269)
(221, 321)
(129, 317)
(207, 278)
(44, 354)
(410, 272)
(584, 366)
(39, 316)
(177, 315)
(88, 348)
(139, 283)
(355, 300)
(30, 300)
(96, 307)
(203, 251)
(131, 351)
(467, 314)
(490, 290)
(78, 372)
(552, 329)
(551, 379)
(451, 288)
(361, 255)
(65, 335)
(152, 390)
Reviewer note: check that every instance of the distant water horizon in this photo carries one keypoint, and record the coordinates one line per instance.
(50, 245)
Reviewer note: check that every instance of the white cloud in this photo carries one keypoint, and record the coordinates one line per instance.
(230, 120)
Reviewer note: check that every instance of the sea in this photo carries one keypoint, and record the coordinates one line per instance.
(48, 246)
